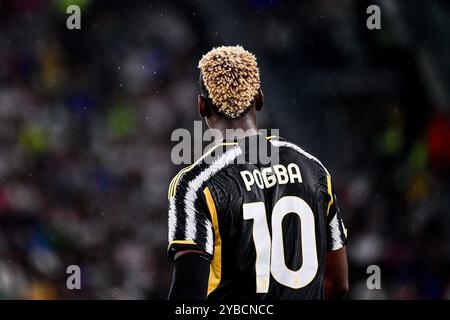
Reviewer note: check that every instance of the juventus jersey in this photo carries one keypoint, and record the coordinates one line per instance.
(265, 227)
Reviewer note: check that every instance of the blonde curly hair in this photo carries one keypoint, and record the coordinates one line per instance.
(231, 77)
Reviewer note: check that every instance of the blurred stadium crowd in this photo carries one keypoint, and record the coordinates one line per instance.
(86, 118)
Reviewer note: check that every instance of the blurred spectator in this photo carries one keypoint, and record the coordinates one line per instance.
(86, 118)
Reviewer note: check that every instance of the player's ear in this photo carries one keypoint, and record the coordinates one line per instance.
(202, 106)
(259, 100)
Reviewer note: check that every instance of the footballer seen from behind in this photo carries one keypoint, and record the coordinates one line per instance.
(252, 229)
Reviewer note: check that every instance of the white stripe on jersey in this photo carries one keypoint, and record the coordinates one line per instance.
(172, 219)
(336, 236)
(209, 239)
(278, 143)
(191, 196)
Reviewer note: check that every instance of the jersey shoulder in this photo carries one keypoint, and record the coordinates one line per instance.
(295, 152)
(320, 177)
(213, 161)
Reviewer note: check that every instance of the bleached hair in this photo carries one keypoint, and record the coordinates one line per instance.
(231, 77)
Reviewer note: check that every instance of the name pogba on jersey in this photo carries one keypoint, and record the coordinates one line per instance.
(265, 227)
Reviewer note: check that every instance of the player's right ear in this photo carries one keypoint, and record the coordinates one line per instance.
(259, 100)
(202, 106)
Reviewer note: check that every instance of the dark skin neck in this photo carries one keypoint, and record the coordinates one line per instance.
(247, 122)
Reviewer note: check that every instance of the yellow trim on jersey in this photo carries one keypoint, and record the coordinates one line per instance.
(188, 242)
(330, 192)
(215, 269)
(173, 184)
(271, 137)
(181, 242)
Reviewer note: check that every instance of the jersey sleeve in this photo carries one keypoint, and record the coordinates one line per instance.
(190, 227)
(336, 231)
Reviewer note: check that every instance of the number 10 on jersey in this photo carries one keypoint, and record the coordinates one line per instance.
(270, 252)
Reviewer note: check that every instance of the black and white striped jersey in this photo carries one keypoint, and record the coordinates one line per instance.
(265, 226)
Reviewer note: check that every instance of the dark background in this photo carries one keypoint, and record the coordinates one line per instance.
(86, 117)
